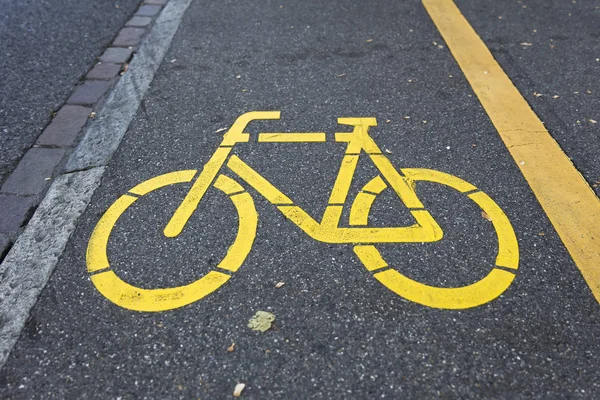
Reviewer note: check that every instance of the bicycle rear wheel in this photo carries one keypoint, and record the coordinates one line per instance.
(131, 297)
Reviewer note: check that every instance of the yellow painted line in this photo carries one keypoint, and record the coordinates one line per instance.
(193, 197)
(567, 199)
(254, 179)
(370, 257)
(343, 180)
(309, 137)
(162, 299)
(480, 292)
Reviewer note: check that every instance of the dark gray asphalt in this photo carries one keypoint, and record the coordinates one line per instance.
(45, 48)
(339, 333)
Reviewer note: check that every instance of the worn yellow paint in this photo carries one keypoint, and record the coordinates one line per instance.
(425, 228)
(247, 223)
(236, 133)
(291, 137)
(162, 299)
(194, 195)
(359, 138)
(508, 247)
(480, 292)
(152, 300)
(400, 184)
(359, 213)
(343, 180)
(422, 174)
(163, 180)
(370, 257)
(473, 295)
(255, 180)
(567, 199)
(228, 185)
(96, 257)
(375, 185)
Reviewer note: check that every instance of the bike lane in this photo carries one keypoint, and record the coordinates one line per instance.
(338, 332)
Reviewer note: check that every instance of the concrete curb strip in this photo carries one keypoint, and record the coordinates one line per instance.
(31, 261)
(106, 131)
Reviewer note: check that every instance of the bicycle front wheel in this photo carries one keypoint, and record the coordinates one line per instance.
(473, 295)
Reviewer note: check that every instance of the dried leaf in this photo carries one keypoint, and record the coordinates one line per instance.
(486, 216)
(231, 348)
(279, 284)
(237, 392)
(261, 321)
(220, 130)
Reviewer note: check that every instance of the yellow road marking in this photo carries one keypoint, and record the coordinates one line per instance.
(567, 199)
(343, 180)
(309, 137)
(370, 257)
(425, 229)
(254, 179)
(481, 292)
(139, 299)
(193, 197)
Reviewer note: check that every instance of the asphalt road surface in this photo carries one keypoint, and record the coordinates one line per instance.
(46, 47)
(338, 332)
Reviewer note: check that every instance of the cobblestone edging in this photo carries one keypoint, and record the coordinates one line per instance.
(25, 187)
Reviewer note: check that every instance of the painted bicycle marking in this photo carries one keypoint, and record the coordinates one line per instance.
(364, 238)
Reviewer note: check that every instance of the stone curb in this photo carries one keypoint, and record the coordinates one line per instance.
(29, 264)
(24, 188)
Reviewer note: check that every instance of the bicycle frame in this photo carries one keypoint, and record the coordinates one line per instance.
(327, 230)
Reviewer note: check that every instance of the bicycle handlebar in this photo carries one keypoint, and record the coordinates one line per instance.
(236, 133)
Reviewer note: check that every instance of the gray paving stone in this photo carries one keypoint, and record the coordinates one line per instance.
(159, 2)
(148, 11)
(29, 178)
(129, 36)
(65, 126)
(13, 212)
(139, 21)
(117, 55)
(104, 71)
(89, 93)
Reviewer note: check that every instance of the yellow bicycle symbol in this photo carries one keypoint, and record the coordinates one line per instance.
(327, 230)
